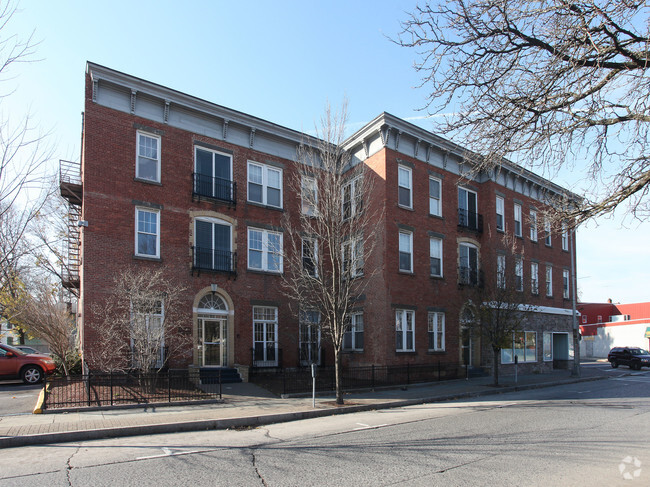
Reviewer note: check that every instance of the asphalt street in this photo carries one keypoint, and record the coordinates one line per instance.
(17, 398)
(590, 433)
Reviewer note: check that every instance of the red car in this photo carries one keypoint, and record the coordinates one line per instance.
(29, 367)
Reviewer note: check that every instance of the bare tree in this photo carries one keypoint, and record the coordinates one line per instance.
(497, 308)
(549, 84)
(331, 238)
(46, 316)
(141, 325)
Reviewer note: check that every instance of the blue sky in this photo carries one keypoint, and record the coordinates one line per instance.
(281, 61)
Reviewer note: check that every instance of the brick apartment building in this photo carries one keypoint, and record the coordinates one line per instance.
(167, 179)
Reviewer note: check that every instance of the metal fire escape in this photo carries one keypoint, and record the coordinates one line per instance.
(72, 190)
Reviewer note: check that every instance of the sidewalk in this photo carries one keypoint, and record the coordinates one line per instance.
(248, 405)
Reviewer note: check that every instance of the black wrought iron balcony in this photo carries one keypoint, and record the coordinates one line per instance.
(468, 276)
(206, 259)
(470, 220)
(218, 189)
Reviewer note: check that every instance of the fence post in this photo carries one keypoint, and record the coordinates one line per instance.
(88, 389)
(408, 373)
(45, 393)
(110, 382)
(372, 381)
(169, 385)
(220, 385)
(438, 370)
(284, 381)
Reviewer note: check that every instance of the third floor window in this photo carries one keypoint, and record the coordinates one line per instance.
(213, 175)
(264, 184)
(405, 185)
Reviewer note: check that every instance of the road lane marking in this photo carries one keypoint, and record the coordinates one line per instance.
(363, 426)
(168, 453)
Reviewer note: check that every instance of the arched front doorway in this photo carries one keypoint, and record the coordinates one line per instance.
(212, 331)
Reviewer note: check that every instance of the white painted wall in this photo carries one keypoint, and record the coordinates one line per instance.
(614, 336)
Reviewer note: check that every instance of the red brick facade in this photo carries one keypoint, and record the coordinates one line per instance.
(111, 194)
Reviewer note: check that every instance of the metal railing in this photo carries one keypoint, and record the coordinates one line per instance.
(470, 220)
(205, 259)
(115, 388)
(214, 188)
(299, 380)
(468, 276)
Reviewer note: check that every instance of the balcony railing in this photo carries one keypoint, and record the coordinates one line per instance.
(470, 220)
(214, 188)
(214, 260)
(468, 276)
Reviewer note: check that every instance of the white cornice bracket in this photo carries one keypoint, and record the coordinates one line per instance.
(397, 137)
(252, 140)
(225, 128)
(366, 151)
(95, 89)
(166, 112)
(385, 134)
(133, 93)
(417, 147)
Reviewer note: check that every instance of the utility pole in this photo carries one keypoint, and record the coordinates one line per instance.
(574, 319)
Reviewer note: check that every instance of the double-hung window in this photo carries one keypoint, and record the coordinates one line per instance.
(309, 339)
(565, 238)
(352, 198)
(501, 271)
(519, 274)
(435, 196)
(353, 336)
(352, 253)
(547, 232)
(264, 250)
(518, 220)
(406, 251)
(436, 331)
(435, 256)
(549, 280)
(565, 284)
(308, 196)
(310, 256)
(213, 174)
(533, 225)
(264, 184)
(500, 205)
(147, 333)
(404, 330)
(213, 245)
(147, 232)
(265, 336)
(534, 277)
(147, 165)
(405, 187)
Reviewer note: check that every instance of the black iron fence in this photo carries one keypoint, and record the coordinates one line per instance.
(115, 388)
(299, 379)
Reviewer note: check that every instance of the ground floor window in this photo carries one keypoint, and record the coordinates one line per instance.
(436, 331)
(524, 347)
(404, 330)
(548, 346)
(265, 336)
(310, 338)
(353, 336)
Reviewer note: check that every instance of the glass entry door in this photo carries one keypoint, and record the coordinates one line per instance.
(212, 339)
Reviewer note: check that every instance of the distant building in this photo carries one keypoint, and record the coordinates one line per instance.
(607, 325)
(167, 179)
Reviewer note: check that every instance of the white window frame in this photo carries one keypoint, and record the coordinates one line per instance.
(214, 221)
(549, 281)
(469, 246)
(547, 231)
(501, 271)
(138, 231)
(155, 332)
(534, 278)
(266, 323)
(566, 279)
(266, 169)
(402, 324)
(565, 238)
(138, 155)
(526, 355)
(355, 248)
(265, 250)
(356, 198)
(433, 201)
(355, 327)
(307, 329)
(500, 210)
(409, 172)
(409, 235)
(215, 191)
(308, 196)
(519, 274)
(533, 225)
(435, 252)
(436, 326)
(518, 223)
(314, 256)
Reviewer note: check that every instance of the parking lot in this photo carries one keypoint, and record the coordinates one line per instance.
(18, 398)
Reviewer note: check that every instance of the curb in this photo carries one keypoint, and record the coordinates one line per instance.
(254, 421)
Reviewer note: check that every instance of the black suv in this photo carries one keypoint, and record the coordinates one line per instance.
(633, 357)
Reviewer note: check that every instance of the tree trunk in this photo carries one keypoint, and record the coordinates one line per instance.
(495, 366)
(337, 373)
